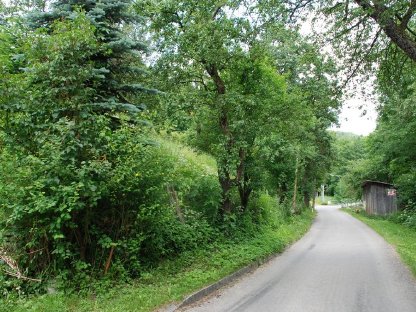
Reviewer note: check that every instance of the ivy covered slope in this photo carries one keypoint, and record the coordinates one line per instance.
(105, 182)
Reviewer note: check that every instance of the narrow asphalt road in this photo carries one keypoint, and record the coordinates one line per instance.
(340, 265)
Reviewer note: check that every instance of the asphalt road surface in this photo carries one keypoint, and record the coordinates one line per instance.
(340, 265)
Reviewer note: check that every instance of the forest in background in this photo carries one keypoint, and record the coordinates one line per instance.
(132, 132)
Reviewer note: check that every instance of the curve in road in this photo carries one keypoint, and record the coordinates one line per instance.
(340, 265)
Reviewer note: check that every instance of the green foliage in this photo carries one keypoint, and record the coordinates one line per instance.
(329, 200)
(91, 197)
(406, 217)
(150, 230)
(174, 279)
(373, 39)
(57, 149)
(350, 168)
(237, 93)
(268, 211)
(394, 142)
(117, 64)
(391, 154)
(84, 188)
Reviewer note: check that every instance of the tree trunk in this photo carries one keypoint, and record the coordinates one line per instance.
(108, 262)
(307, 199)
(245, 191)
(244, 197)
(313, 200)
(226, 183)
(223, 168)
(242, 180)
(305, 188)
(295, 187)
(282, 192)
(174, 201)
(314, 194)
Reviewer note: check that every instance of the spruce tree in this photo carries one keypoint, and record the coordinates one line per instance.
(117, 63)
(76, 83)
(116, 66)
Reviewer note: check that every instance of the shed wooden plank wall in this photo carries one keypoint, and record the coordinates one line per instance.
(377, 201)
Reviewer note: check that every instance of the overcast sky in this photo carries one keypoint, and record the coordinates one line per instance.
(358, 114)
(352, 120)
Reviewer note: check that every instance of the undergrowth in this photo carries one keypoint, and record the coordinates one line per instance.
(173, 279)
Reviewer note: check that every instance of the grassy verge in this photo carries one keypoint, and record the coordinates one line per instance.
(173, 280)
(398, 235)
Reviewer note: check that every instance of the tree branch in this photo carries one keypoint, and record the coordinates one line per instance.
(346, 10)
(408, 15)
(299, 5)
(217, 10)
(379, 13)
(212, 70)
(12, 264)
(405, 27)
(363, 58)
(178, 20)
(346, 31)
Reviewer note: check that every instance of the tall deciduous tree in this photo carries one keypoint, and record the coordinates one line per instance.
(214, 48)
(364, 31)
(222, 56)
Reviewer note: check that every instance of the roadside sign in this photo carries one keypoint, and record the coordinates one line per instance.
(391, 192)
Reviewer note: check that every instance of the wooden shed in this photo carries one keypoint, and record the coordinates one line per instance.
(379, 198)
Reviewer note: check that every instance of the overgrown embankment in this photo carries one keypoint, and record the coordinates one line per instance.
(173, 243)
(174, 279)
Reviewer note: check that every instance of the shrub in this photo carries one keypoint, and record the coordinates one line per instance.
(70, 222)
(266, 209)
(406, 217)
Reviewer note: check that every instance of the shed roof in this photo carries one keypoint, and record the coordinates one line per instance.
(377, 183)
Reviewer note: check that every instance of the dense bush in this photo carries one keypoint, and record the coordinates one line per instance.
(86, 194)
(85, 190)
(406, 217)
(58, 217)
(131, 210)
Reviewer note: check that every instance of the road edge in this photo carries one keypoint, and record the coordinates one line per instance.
(398, 247)
(204, 292)
(229, 279)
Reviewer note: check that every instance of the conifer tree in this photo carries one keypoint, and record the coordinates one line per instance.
(74, 85)
(118, 61)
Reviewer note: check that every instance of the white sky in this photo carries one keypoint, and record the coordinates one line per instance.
(352, 117)
(352, 120)
(358, 114)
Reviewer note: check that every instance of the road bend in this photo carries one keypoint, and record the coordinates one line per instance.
(340, 265)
